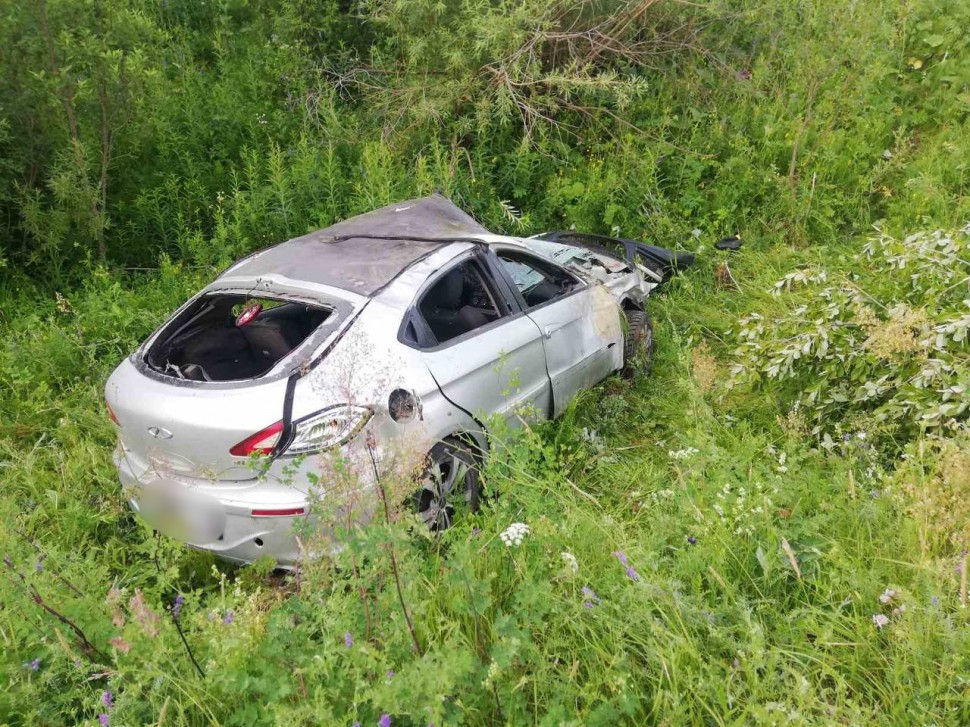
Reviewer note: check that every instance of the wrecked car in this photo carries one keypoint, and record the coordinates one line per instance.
(411, 323)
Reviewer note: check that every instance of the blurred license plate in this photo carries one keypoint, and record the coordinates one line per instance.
(182, 515)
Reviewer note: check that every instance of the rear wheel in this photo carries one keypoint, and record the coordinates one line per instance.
(450, 485)
(638, 345)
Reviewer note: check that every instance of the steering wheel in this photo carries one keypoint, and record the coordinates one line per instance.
(247, 316)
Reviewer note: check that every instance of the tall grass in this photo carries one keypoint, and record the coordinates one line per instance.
(731, 564)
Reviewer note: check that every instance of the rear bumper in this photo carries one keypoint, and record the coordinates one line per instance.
(217, 517)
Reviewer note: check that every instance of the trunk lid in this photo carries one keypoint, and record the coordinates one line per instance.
(187, 428)
(170, 422)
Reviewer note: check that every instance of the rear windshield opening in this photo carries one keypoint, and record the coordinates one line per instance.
(229, 337)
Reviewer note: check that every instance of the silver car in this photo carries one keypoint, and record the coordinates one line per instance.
(407, 326)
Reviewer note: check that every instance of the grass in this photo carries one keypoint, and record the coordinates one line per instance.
(732, 566)
(757, 582)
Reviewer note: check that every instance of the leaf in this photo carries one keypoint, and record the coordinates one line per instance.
(143, 614)
(790, 554)
(763, 560)
(934, 41)
(120, 644)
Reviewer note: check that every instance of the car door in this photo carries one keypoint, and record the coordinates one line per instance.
(579, 322)
(484, 354)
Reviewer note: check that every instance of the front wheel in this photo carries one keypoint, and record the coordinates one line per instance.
(638, 345)
(451, 483)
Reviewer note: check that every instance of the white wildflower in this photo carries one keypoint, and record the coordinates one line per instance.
(879, 620)
(887, 596)
(590, 435)
(682, 454)
(514, 534)
(572, 565)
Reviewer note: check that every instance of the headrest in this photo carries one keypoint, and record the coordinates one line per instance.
(447, 292)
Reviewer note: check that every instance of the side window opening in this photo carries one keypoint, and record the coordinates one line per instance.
(537, 281)
(459, 302)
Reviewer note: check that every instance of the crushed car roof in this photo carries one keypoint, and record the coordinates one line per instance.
(364, 253)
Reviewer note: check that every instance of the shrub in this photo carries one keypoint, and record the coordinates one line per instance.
(880, 345)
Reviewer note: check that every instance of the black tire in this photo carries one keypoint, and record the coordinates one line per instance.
(638, 345)
(451, 465)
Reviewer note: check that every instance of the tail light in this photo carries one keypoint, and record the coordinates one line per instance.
(328, 428)
(111, 413)
(262, 442)
(325, 429)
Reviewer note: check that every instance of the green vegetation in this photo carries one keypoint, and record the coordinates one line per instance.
(788, 491)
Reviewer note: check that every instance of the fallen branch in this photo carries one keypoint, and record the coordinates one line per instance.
(89, 649)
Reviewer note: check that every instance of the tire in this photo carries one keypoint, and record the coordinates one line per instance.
(638, 345)
(451, 465)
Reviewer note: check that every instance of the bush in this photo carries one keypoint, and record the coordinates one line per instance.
(881, 346)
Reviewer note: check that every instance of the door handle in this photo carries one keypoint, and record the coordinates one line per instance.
(548, 330)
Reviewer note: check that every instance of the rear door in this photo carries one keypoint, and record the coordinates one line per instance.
(486, 356)
(579, 322)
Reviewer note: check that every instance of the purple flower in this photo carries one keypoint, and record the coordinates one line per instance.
(227, 619)
(621, 556)
(390, 673)
(34, 665)
(691, 540)
(385, 720)
(633, 575)
(476, 532)
(107, 699)
(39, 567)
(348, 640)
(745, 75)
(874, 494)
(934, 600)
(103, 720)
(356, 724)
(587, 604)
(591, 597)
(177, 606)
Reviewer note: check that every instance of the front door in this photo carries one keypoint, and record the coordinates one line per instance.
(578, 322)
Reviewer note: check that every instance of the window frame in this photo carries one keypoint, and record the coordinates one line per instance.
(424, 338)
(496, 250)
